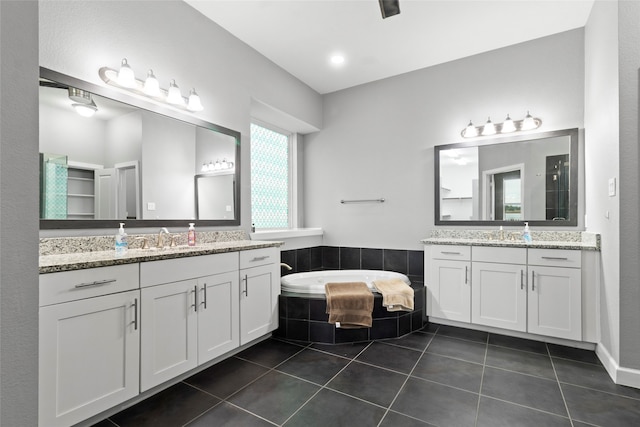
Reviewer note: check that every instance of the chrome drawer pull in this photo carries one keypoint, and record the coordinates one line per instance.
(259, 258)
(205, 296)
(450, 253)
(135, 312)
(195, 298)
(521, 279)
(533, 280)
(96, 283)
(557, 258)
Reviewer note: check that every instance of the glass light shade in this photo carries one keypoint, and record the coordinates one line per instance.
(528, 123)
(85, 110)
(174, 96)
(126, 77)
(489, 128)
(211, 166)
(204, 167)
(194, 102)
(151, 85)
(470, 131)
(508, 125)
(224, 164)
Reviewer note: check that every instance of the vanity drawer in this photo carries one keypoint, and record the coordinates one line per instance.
(555, 257)
(178, 269)
(256, 257)
(79, 284)
(461, 252)
(499, 255)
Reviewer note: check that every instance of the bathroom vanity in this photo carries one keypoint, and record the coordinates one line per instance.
(112, 329)
(545, 290)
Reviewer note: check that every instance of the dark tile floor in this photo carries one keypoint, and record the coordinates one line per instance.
(440, 376)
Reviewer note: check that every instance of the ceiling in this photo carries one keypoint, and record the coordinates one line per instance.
(301, 35)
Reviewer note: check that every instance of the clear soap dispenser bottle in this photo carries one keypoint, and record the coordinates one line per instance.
(121, 242)
(191, 235)
(526, 234)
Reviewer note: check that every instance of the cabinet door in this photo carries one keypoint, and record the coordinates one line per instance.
(499, 295)
(555, 302)
(259, 290)
(218, 315)
(450, 288)
(89, 357)
(168, 340)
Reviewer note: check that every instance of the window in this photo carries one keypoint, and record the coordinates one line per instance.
(270, 178)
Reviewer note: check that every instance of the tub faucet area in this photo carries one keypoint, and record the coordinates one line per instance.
(287, 266)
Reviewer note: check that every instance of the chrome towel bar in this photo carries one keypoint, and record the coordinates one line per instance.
(362, 201)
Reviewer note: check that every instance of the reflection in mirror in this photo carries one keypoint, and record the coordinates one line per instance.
(118, 161)
(532, 178)
(214, 195)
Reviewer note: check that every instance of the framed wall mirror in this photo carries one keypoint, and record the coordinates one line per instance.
(508, 181)
(130, 161)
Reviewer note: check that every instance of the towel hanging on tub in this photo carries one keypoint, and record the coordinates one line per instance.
(396, 294)
(349, 304)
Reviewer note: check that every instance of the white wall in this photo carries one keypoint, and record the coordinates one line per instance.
(77, 38)
(18, 213)
(378, 138)
(602, 160)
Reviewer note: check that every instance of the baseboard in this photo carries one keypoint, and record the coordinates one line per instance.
(620, 375)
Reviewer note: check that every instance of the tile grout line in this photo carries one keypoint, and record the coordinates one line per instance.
(324, 386)
(406, 380)
(484, 367)
(553, 366)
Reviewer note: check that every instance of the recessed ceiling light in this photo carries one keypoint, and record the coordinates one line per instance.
(337, 59)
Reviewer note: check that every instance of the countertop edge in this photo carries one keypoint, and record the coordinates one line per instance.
(579, 246)
(107, 258)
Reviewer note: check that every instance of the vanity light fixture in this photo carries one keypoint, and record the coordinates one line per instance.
(509, 125)
(218, 166)
(150, 88)
(126, 77)
(489, 128)
(83, 102)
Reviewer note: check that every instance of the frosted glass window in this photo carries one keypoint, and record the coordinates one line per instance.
(269, 178)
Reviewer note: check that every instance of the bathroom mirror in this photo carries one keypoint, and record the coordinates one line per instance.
(131, 161)
(508, 181)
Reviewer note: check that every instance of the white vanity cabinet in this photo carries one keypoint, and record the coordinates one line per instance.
(89, 332)
(499, 291)
(259, 290)
(547, 292)
(190, 314)
(555, 293)
(449, 282)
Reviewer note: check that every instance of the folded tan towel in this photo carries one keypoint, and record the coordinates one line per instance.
(350, 304)
(396, 294)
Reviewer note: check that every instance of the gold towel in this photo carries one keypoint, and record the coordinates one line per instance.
(350, 304)
(396, 294)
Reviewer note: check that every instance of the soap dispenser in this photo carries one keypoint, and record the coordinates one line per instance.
(191, 235)
(121, 242)
(526, 234)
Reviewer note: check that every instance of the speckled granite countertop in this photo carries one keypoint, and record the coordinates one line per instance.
(77, 253)
(574, 240)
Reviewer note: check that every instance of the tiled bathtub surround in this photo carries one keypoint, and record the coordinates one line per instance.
(541, 239)
(69, 245)
(317, 258)
(303, 318)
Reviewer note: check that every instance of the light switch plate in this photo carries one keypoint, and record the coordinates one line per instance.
(612, 187)
(151, 206)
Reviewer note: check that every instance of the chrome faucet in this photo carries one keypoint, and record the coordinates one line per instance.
(287, 266)
(163, 230)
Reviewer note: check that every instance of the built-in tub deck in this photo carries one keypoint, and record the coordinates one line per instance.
(303, 318)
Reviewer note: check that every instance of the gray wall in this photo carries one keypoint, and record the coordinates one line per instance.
(602, 160)
(18, 213)
(629, 57)
(378, 138)
(77, 38)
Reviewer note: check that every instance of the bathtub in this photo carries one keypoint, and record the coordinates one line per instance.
(313, 282)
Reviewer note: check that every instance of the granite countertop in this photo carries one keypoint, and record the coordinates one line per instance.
(573, 240)
(91, 259)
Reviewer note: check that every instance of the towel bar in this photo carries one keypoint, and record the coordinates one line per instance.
(363, 201)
